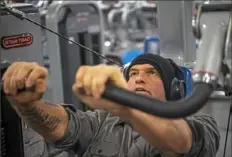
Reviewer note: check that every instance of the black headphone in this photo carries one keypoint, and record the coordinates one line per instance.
(177, 90)
(178, 86)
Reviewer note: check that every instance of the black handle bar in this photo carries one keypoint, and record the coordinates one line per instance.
(168, 109)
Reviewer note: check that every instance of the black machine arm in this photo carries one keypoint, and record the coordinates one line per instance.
(205, 78)
(169, 109)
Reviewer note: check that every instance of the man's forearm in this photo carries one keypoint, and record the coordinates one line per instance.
(168, 135)
(48, 120)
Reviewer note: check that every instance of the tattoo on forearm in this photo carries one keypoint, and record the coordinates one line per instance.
(41, 118)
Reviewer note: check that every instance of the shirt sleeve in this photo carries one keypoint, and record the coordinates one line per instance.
(81, 128)
(205, 136)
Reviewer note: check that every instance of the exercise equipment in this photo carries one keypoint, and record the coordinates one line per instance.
(128, 25)
(114, 17)
(113, 33)
(135, 21)
(81, 22)
(20, 41)
(106, 7)
(205, 77)
(110, 38)
(21, 36)
(152, 45)
(175, 31)
(205, 70)
(221, 57)
(12, 144)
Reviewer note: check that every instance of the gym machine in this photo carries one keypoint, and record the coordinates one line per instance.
(111, 40)
(80, 21)
(151, 45)
(135, 20)
(130, 24)
(207, 74)
(114, 16)
(12, 144)
(106, 7)
(20, 41)
(175, 31)
(115, 27)
(18, 38)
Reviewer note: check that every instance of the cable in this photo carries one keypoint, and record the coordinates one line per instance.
(227, 130)
(21, 15)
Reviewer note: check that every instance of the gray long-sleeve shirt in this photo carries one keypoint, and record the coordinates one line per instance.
(99, 134)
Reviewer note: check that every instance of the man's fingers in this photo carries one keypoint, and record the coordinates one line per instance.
(37, 73)
(80, 75)
(10, 71)
(98, 86)
(87, 82)
(13, 83)
(40, 86)
(17, 79)
(78, 91)
(14, 77)
(6, 85)
(22, 74)
(94, 79)
(9, 82)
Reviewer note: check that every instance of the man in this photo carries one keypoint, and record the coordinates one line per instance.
(112, 129)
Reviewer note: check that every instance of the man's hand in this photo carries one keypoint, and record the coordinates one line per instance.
(92, 80)
(28, 77)
(24, 85)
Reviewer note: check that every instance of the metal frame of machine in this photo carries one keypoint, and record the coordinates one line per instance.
(53, 17)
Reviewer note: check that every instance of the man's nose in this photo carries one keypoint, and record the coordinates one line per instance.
(140, 78)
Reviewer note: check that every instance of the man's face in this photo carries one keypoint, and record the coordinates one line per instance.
(145, 79)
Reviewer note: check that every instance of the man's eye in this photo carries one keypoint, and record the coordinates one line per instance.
(151, 72)
(133, 74)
